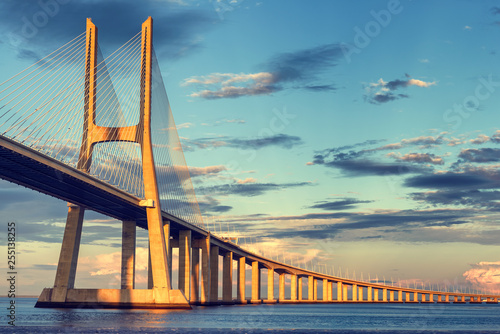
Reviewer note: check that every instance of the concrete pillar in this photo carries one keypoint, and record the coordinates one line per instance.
(214, 274)
(325, 289)
(415, 296)
(400, 296)
(440, 298)
(241, 281)
(315, 289)
(354, 292)
(168, 247)
(128, 254)
(423, 297)
(463, 298)
(455, 299)
(255, 282)
(344, 293)
(370, 294)
(360, 293)
(375, 295)
(270, 284)
(329, 291)
(282, 287)
(339, 292)
(310, 288)
(391, 295)
(407, 299)
(431, 297)
(68, 258)
(150, 271)
(185, 262)
(227, 278)
(293, 287)
(195, 274)
(384, 295)
(205, 270)
(299, 284)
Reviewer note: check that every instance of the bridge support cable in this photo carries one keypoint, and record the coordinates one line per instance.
(103, 123)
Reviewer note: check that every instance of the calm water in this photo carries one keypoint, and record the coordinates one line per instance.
(348, 318)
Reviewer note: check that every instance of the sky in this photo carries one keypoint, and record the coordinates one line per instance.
(350, 137)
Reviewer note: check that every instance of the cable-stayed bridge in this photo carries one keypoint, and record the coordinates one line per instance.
(99, 134)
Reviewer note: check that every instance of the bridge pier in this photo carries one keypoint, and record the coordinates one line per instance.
(195, 274)
(256, 280)
(227, 278)
(325, 289)
(293, 288)
(205, 270)
(369, 294)
(300, 291)
(241, 299)
(68, 258)
(310, 288)
(339, 292)
(329, 290)
(214, 275)
(281, 287)
(128, 254)
(315, 289)
(270, 286)
(184, 279)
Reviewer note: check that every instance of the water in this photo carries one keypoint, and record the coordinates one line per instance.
(282, 318)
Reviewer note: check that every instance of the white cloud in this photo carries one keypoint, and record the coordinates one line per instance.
(184, 126)
(232, 84)
(420, 83)
(484, 275)
(247, 180)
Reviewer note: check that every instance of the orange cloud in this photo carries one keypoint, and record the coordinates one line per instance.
(484, 275)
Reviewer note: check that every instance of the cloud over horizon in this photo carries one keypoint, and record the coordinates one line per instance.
(383, 91)
(293, 70)
(278, 140)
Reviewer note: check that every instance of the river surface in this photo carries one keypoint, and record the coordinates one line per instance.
(277, 318)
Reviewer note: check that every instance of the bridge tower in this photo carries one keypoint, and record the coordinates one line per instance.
(160, 293)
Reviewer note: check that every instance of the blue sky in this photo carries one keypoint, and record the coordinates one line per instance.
(361, 134)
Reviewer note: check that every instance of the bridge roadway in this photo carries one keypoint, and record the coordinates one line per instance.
(30, 168)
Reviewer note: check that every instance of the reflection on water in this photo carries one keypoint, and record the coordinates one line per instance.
(413, 317)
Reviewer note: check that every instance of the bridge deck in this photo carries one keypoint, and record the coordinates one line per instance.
(32, 169)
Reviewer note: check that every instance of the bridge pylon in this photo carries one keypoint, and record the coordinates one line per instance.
(159, 293)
